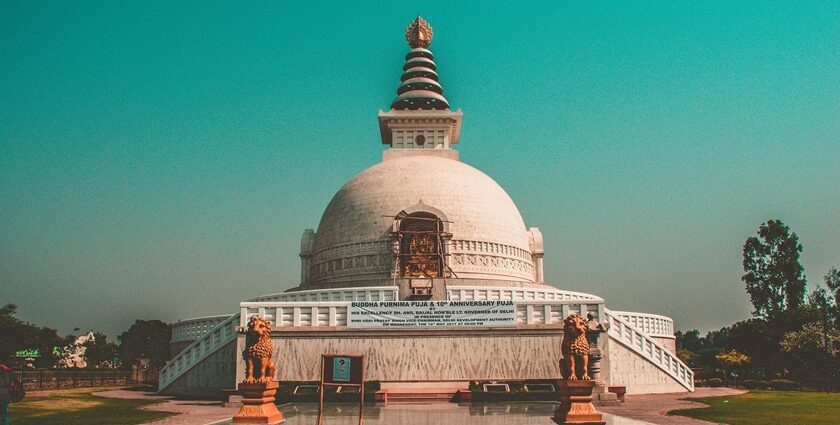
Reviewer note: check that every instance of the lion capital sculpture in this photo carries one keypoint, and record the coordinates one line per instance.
(575, 348)
(258, 352)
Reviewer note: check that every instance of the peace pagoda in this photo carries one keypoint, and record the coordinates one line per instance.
(422, 228)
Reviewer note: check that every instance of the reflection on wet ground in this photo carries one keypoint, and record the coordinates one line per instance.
(524, 413)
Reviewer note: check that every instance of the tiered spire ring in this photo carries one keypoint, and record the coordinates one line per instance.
(420, 88)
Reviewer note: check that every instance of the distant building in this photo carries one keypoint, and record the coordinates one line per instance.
(423, 226)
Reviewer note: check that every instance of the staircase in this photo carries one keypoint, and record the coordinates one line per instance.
(419, 397)
(642, 344)
(419, 392)
(200, 349)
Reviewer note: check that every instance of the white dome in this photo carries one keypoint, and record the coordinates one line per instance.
(489, 239)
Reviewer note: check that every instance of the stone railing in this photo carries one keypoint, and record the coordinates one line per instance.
(296, 314)
(224, 332)
(642, 344)
(319, 314)
(651, 324)
(370, 293)
(469, 293)
(193, 329)
(534, 305)
(216, 338)
(553, 312)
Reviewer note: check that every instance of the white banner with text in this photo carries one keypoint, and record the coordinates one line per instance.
(414, 314)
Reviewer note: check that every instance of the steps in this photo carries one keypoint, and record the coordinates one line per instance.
(212, 341)
(419, 392)
(427, 396)
(625, 333)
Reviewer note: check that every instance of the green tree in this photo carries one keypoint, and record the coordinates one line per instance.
(832, 282)
(818, 347)
(757, 339)
(16, 334)
(689, 340)
(100, 352)
(145, 338)
(732, 363)
(774, 277)
(687, 356)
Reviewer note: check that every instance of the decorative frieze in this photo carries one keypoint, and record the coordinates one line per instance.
(493, 265)
(490, 248)
(463, 257)
(361, 264)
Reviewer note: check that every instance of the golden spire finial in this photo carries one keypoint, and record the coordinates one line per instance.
(419, 33)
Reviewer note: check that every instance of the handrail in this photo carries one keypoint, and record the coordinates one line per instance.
(199, 350)
(644, 345)
(649, 323)
(518, 293)
(195, 328)
(384, 293)
(334, 314)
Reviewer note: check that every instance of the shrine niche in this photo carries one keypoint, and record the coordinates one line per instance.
(420, 246)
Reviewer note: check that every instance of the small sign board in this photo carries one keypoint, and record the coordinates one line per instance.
(342, 370)
(32, 352)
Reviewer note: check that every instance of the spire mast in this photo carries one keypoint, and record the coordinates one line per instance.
(420, 119)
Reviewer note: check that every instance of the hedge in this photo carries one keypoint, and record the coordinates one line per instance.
(784, 385)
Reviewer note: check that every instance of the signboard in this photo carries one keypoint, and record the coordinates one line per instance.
(340, 370)
(413, 314)
(32, 352)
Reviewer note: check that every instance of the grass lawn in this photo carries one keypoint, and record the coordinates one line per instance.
(769, 407)
(81, 407)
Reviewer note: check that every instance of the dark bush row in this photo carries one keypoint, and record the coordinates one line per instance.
(785, 385)
(754, 384)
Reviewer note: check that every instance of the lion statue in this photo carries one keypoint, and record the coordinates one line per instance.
(575, 348)
(258, 351)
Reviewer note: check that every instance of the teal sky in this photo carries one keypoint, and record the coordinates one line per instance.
(162, 159)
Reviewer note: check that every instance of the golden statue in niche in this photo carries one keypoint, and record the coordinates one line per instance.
(420, 256)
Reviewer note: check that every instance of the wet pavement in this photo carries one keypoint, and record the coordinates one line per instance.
(524, 413)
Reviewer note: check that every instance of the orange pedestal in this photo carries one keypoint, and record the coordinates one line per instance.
(258, 405)
(576, 404)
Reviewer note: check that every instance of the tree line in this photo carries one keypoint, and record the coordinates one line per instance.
(147, 339)
(793, 337)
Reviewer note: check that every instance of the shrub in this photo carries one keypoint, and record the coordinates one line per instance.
(784, 385)
(699, 383)
(714, 382)
(754, 384)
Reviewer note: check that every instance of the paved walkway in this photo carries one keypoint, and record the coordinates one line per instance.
(192, 412)
(649, 408)
(653, 407)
